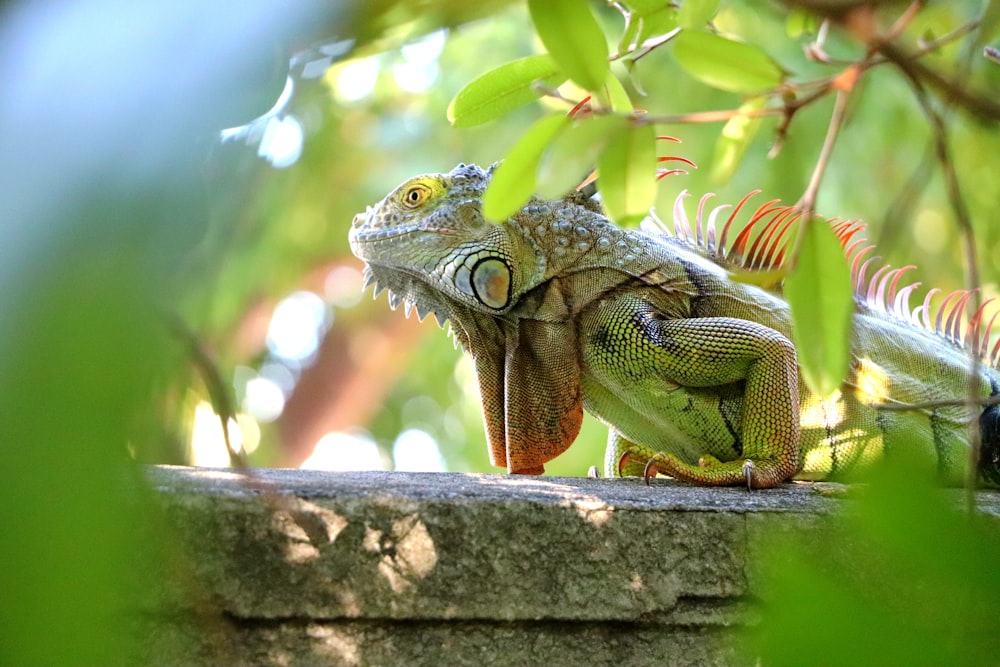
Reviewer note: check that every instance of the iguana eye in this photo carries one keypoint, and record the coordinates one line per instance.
(416, 195)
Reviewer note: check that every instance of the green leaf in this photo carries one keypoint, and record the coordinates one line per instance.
(503, 89)
(990, 23)
(617, 95)
(819, 293)
(626, 172)
(574, 152)
(694, 14)
(732, 144)
(801, 23)
(643, 7)
(657, 23)
(729, 65)
(573, 38)
(631, 31)
(513, 182)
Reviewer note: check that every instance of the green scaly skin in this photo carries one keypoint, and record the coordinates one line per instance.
(695, 374)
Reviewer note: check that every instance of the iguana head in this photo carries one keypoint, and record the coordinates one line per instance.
(428, 243)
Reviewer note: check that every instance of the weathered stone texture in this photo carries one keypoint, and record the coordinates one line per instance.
(377, 568)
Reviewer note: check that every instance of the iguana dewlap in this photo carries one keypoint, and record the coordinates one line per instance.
(694, 373)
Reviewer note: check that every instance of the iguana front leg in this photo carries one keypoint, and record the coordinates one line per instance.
(704, 353)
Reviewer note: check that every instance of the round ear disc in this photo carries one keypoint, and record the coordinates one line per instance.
(491, 282)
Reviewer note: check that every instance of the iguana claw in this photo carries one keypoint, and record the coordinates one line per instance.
(657, 463)
(748, 473)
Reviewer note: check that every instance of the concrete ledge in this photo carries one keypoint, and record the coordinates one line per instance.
(379, 568)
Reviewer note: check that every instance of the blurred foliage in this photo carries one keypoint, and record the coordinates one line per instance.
(901, 577)
(123, 210)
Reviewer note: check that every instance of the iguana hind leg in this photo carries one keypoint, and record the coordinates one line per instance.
(717, 350)
(707, 354)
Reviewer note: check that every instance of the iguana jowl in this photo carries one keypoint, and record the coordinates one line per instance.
(694, 373)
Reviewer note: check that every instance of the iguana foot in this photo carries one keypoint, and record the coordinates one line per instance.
(631, 464)
(593, 472)
(712, 472)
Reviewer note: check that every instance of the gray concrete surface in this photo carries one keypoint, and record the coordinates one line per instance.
(388, 568)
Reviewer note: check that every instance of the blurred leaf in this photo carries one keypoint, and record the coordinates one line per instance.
(626, 171)
(901, 573)
(617, 95)
(644, 7)
(769, 280)
(694, 14)
(818, 290)
(574, 153)
(800, 23)
(501, 90)
(726, 64)
(990, 22)
(734, 139)
(630, 33)
(513, 182)
(572, 36)
(72, 381)
(659, 22)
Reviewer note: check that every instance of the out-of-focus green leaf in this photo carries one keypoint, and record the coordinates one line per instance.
(574, 152)
(990, 22)
(573, 38)
(801, 22)
(694, 14)
(726, 64)
(617, 95)
(73, 380)
(513, 182)
(501, 90)
(901, 571)
(644, 7)
(626, 172)
(819, 293)
(659, 22)
(630, 33)
(733, 141)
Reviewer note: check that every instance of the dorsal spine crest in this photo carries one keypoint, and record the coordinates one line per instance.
(761, 244)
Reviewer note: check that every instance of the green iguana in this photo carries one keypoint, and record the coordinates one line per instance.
(694, 373)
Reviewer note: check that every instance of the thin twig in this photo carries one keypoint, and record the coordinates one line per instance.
(647, 47)
(903, 22)
(807, 203)
(980, 106)
(720, 116)
(939, 133)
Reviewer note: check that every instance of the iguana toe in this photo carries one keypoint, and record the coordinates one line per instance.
(629, 463)
(660, 463)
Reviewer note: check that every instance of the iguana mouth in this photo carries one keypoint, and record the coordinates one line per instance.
(368, 235)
